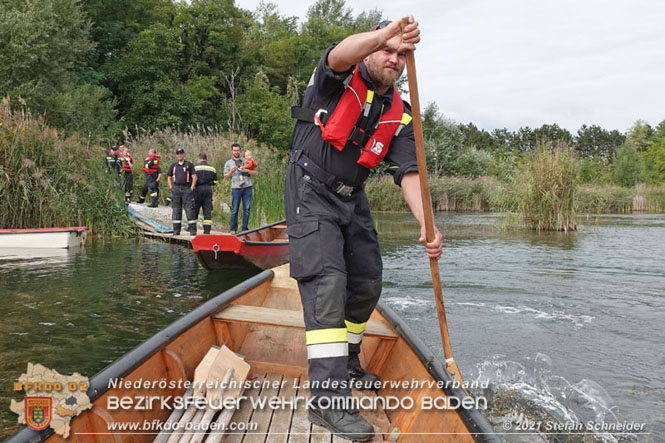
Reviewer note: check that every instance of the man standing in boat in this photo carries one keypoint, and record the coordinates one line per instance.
(352, 118)
(181, 178)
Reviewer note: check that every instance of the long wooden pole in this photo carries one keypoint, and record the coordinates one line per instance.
(451, 365)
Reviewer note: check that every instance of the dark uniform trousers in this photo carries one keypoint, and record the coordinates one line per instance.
(129, 186)
(335, 258)
(151, 187)
(183, 198)
(203, 199)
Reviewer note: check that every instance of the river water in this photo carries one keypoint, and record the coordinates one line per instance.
(565, 328)
(78, 311)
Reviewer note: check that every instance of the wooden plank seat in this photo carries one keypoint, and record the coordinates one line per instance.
(288, 319)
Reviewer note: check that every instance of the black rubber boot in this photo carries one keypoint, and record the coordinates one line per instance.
(206, 229)
(360, 378)
(348, 424)
(192, 232)
(363, 380)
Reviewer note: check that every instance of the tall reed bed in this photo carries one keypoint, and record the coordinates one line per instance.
(617, 199)
(49, 181)
(268, 192)
(448, 194)
(546, 188)
(490, 194)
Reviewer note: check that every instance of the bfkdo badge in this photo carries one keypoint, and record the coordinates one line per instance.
(38, 412)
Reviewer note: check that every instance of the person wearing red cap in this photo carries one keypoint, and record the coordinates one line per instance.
(352, 118)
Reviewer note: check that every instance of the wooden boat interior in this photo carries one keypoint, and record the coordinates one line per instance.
(274, 233)
(265, 325)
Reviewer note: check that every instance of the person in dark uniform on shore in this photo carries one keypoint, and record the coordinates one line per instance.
(352, 118)
(181, 177)
(128, 175)
(112, 160)
(153, 174)
(206, 178)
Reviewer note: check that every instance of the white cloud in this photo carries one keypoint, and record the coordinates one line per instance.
(514, 63)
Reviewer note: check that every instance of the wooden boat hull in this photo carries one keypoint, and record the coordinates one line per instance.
(261, 248)
(260, 319)
(44, 238)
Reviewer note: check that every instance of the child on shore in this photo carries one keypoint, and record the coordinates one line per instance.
(250, 165)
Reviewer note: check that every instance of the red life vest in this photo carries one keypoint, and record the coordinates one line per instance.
(151, 164)
(355, 100)
(127, 165)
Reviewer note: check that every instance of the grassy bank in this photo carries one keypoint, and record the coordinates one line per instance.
(49, 181)
(268, 196)
(489, 194)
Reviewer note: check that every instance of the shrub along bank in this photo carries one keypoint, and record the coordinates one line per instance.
(47, 180)
(490, 194)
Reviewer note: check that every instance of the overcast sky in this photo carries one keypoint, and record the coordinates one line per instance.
(512, 63)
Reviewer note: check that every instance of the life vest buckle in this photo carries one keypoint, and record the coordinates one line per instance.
(317, 116)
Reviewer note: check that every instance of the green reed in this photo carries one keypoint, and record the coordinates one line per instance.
(448, 194)
(49, 181)
(546, 189)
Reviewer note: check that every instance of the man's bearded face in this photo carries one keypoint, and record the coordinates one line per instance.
(385, 67)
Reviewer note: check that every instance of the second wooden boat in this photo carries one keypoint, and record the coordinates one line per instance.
(44, 238)
(261, 248)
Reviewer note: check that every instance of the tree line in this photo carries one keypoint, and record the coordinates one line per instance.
(100, 68)
(97, 67)
(605, 156)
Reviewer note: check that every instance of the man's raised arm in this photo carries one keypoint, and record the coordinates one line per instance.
(356, 47)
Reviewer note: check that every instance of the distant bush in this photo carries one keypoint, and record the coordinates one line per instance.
(443, 142)
(473, 163)
(654, 162)
(592, 171)
(503, 166)
(627, 166)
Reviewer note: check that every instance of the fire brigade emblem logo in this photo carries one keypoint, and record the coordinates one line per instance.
(38, 412)
(377, 148)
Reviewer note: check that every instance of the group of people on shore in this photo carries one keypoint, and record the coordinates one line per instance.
(191, 185)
